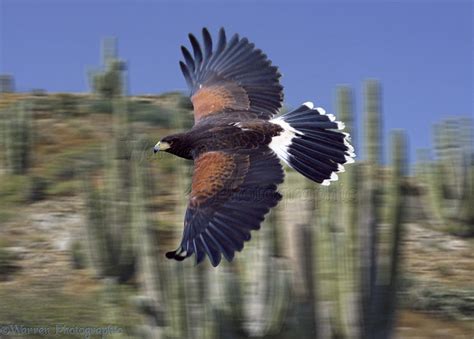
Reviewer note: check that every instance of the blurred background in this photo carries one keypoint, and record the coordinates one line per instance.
(87, 211)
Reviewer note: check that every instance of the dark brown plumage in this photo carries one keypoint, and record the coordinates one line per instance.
(235, 146)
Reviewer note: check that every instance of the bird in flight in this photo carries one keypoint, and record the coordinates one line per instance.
(236, 143)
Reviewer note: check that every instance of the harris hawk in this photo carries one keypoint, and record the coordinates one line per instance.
(236, 143)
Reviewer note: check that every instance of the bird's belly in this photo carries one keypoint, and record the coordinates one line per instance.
(239, 140)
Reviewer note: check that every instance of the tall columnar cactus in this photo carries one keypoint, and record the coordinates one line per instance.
(175, 295)
(109, 50)
(371, 192)
(349, 279)
(110, 206)
(262, 297)
(466, 212)
(109, 82)
(332, 242)
(179, 293)
(373, 122)
(382, 303)
(449, 152)
(152, 301)
(18, 135)
(356, 257)
(7, 83)
(447, 180)
(380, 231)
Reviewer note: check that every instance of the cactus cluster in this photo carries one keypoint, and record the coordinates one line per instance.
(338, 279)
(326, 261)
(18, 136)
(355, 246)
(448, 180)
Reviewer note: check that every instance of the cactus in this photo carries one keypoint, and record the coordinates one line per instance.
(7, 83)
(110, 206)
(179, 301)
(262, 299)
(151, 302)
(371, 203)
(178, 289)
(379, 266)
(18, 137)
(380, 317)
(466, 212)
(373, 123)
(332, 239)
(109, 82)
(347, 222)
(448, 180)
(355, 266)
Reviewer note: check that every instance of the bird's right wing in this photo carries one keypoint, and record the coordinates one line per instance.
(233, 77)
(231, 193)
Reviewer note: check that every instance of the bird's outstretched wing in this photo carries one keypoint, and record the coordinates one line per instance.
(231, 193)
(233, 77)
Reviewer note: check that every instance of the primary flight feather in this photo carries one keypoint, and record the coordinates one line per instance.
(236, 145)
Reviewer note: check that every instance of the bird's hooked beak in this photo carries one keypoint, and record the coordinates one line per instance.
(161, 146)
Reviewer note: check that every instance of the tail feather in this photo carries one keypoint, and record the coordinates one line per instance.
(312, 142)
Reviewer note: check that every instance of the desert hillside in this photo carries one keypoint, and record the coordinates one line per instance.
(48, 274)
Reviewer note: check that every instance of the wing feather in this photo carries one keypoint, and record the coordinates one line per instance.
(227, 202)
(234, 77)
(188, 59)
(196, 49)
(206, 37)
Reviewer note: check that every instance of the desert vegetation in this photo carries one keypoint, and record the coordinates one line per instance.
(87, 212)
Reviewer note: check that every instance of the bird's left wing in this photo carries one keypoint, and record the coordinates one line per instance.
(231, 193)
(232, 78)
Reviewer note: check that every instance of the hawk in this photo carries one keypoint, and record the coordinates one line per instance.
(236, 144)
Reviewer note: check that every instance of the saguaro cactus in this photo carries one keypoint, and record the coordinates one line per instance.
(110, 206)
(371, 191)
(466, 212)
(152, 301)
(448, 180)
(348, 230)
(7, 83)
(18, 134)
(109, 82)
(264, 290)
(382, 240)
(356, 257)
(373, 122)
(379, 320)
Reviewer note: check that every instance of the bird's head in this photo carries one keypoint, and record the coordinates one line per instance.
(165, 144)
(176, 144)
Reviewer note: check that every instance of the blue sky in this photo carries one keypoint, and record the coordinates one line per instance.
(421, 51)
